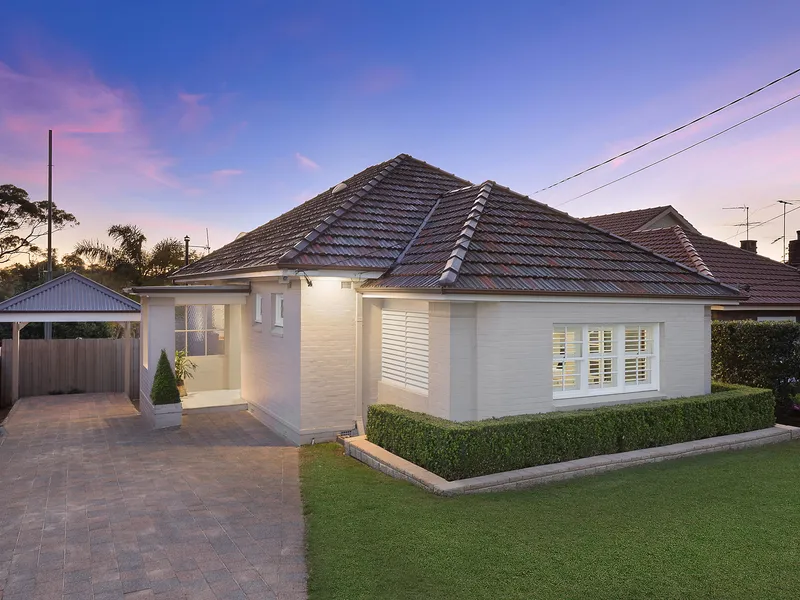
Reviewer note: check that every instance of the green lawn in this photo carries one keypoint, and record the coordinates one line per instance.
(717, 526)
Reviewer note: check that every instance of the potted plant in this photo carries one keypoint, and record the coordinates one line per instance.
(184, 368)
(163, 406)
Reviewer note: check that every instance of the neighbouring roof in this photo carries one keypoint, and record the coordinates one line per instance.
(762, 280)
(487, 238)
(624, 223)
(69, 293)
(364, 226)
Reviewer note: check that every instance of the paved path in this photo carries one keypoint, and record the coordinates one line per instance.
(93, 506)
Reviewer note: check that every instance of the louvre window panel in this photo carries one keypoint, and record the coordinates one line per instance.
(404, 348)
(593, 360)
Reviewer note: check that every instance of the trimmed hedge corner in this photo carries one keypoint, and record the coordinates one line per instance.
(763, 354)
(460, 450)
(165, 389)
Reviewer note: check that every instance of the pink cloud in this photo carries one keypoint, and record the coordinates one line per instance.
(196, 116)
(305, 163)
(100, 141)
(382, 79)
(222, 175)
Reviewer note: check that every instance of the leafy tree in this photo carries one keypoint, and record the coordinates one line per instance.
(129, 259)
(23, 222)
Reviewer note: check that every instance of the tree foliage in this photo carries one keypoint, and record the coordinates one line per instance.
(129, 259)
(24, 221)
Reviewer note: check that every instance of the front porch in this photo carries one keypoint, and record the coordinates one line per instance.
(203, 323)
(212, 401)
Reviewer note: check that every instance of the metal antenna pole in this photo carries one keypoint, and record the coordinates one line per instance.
(50, 206)
(48, 327)
(784, 202)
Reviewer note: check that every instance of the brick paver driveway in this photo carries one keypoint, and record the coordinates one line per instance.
(93, 505)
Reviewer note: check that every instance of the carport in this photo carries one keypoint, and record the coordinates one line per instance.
(68, 298)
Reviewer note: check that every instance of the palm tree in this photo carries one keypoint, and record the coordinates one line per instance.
(129, 259)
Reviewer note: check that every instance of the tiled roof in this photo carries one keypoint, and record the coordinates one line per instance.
(365, 225)
(623, 223)
(488, 238)
(762, 280)
(69, 293)
(426, 228)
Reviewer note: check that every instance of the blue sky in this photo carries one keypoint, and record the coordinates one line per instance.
(184, 115)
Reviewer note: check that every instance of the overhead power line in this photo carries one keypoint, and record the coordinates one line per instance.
(674, 154)
(676, 130)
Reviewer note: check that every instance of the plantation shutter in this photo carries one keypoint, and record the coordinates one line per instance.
(404, 348)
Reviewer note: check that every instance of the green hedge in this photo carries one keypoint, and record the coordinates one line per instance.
(458, 450)
(759, 354)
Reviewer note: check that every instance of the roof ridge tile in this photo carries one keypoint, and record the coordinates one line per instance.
(453, 264)
(691, 251)
(337, 214)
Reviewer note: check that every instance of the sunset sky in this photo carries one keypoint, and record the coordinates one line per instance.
(180, 116)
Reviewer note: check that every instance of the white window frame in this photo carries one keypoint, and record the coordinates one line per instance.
(767, 318)
(405, 349)
(277, 311)
(613, 380)
(258, 315)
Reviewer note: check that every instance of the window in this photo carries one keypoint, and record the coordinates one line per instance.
(604, 359)
(404, 349)
(200, 329)
(259, 314)
(277, 308)
(776, 318)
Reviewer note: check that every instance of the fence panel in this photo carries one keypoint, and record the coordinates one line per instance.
(53, 366)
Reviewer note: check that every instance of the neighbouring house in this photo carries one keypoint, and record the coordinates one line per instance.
(406, 284)
(770, 289)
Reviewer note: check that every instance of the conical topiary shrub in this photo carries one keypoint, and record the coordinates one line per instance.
(165, 390)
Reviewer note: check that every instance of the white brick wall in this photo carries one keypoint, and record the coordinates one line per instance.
(327, 355)
(271, 360)
(515, 349)
(491, 359)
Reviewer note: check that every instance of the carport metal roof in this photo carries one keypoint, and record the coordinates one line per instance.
(71, 297)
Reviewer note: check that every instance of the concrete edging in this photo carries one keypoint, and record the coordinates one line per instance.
(399, 468)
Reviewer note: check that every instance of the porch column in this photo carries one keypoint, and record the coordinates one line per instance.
(127, 377)
(157, 334)
(232, 365)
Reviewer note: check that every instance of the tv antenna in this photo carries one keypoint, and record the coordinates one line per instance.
(747, 222)
(186, 241)
(783, 237)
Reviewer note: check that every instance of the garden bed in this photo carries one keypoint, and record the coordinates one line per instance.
(471, 449)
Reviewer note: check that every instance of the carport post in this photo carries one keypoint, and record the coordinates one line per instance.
(127, 377)
(15, 329)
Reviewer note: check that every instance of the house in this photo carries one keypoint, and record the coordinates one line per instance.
(770, 289)
(406, 284)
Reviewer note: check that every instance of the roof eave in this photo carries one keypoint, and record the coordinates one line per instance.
(444, 291)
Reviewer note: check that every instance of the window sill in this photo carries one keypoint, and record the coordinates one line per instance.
(277, 331)
(407, 388)
(596, 401)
